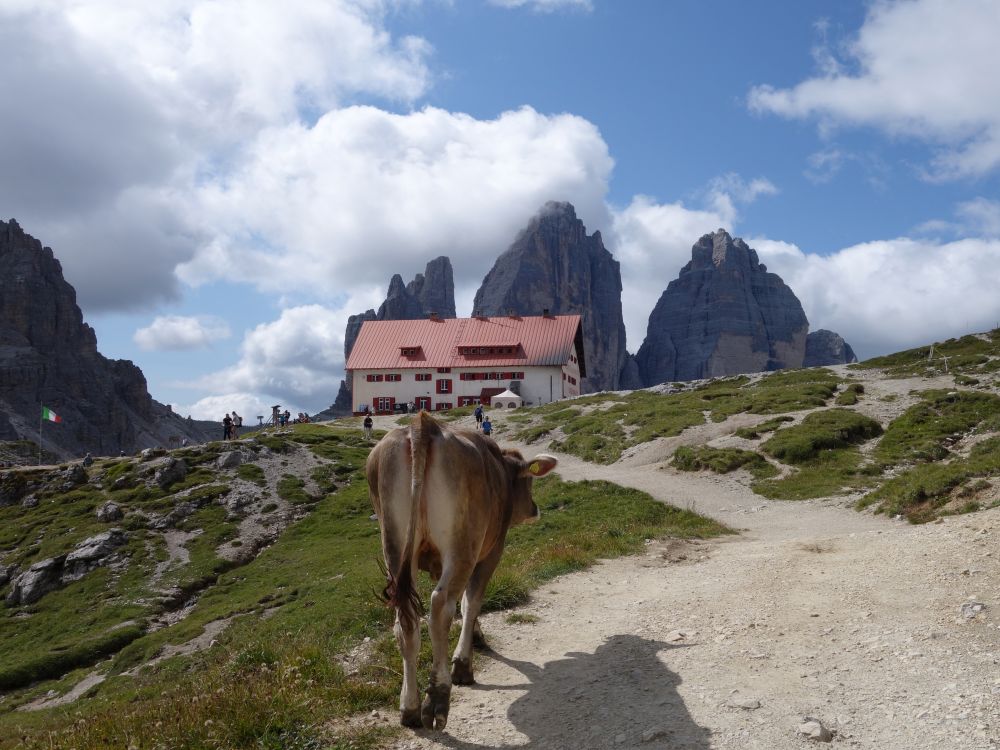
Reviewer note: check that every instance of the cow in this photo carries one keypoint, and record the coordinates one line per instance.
(445, 499)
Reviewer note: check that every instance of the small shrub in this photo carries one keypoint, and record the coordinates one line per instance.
(722, 460)
(821, 430)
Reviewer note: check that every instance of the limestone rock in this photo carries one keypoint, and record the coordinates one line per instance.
(229, 460)
(825, 347)
(35, 582)
(171, 470)
(554, 264)
(109, 512)
(434, 289)
(813, 729)
(49, 356)
(723, 315)
(89, 552)
(6, 573)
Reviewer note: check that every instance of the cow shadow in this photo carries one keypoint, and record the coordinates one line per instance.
(621, 695)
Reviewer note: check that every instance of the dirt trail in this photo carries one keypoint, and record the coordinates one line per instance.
(814, 610)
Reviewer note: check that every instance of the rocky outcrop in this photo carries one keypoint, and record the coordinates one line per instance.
(724, 314)
(825, 347)
(554, 264)
(48, 356)
(432, 291)
(53, 572)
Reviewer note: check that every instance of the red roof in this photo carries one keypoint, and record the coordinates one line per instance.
(536, 341)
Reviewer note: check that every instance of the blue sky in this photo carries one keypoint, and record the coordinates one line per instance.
(225, 182)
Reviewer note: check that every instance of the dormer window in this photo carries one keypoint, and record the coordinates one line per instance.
(409, 351)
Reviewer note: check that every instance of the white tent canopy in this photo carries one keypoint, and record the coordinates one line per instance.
(507, 400)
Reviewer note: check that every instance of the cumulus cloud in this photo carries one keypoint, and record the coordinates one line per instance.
(115, 113)
(296, 360)
(893, 294)
(180, 333)
(546, 6)
(919, 68)
(392, 191)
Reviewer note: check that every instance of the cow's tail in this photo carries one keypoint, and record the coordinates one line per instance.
(402, 592)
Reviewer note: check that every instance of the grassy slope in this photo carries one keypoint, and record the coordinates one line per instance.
(277, 681)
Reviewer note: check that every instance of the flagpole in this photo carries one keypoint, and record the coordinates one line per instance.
(41, 411)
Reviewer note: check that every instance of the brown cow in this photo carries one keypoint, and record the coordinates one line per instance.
(444, 499)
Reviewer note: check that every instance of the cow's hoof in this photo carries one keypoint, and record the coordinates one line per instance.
(434, 711)
(410, 717)
(461, 672)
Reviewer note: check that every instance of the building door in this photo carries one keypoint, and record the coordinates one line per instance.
(423, 402)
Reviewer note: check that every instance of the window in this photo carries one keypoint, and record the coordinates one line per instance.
(423, 402)
(467, 400)
(384, 403)
(409, 351)
(444, 386)
(393, 377)
(374, 378)
(423, 376)
(442, 405)
(518, 376)
(444, 369)
(571, 379)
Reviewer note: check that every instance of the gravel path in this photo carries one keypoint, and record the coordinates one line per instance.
(815, 610)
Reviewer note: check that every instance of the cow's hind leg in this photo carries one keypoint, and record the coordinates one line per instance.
(434, 711)
(409, 698)
(472, 601)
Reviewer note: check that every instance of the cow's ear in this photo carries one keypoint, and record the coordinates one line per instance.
(540, 465)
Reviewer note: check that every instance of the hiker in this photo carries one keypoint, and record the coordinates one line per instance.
(227, 426)
(237, 423)
(368, 426)
(88, 460)
(285, 417)
(487, 426)
(479, 416)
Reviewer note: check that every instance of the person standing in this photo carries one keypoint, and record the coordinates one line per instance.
(479, 416)
(237, 423)
(227, 426)
(487, 426)
(368, 426)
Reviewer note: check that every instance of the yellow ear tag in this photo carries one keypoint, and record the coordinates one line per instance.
(534, 468)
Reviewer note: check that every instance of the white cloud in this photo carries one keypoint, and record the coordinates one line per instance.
(180, 333)
(365, 193)
(248, 405)
(921, 68)
(545, 6)
(115, 113)
(296, 360)
(889, 295)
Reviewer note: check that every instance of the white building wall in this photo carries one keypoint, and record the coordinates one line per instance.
(540, 385)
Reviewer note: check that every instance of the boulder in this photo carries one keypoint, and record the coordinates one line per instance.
(13, 487)
(170, 471)
(825, 347)
(90, 552)
(74, 476)
(6, 573)
(35, 582)
(554, 264)
(229, 460)
(109, 512)
(724, 314)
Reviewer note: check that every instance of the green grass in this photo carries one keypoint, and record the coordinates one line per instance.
(722, 460)
(967, 355)
(277, 682)
(292, 489)
(818, 432)
(251, 473)
(830, 473)
(921, 492)
(923, 431)
(850, 395)
(752, 433)
(618, 422)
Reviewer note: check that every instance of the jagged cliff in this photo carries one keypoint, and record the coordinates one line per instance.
(48, 356)
(724, 314)
(553, 264)
(825, 347)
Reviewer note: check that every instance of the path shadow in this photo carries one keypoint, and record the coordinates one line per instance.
(621, 695)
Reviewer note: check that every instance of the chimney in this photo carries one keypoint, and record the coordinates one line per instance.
(511, 313)
(545, 312)
(433, 315)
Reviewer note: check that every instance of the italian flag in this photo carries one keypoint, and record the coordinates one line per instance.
(50, 415)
